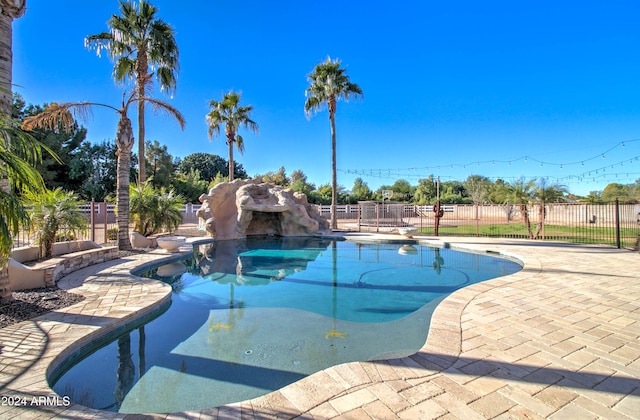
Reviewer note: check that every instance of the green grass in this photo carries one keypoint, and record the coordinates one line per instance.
(576, 234)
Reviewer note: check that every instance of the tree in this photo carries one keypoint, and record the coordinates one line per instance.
(229, 113)
(298, 182)
(478, 187)
(19, 153)
(209, 166)
(360, 190)
(521, 193)
(277, 178)
(53, 168)
(425, 192)
(137, 40)
(189, 185)
(56, 114)
(615, 191)
(53, 213)
(160, 165)
(546, 194)
(93, 169)
(327, 84)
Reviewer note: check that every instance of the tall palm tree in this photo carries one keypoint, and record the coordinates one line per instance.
(64, 114)
(137, 40)
(327, 84)
(229, 113)
(19, 153)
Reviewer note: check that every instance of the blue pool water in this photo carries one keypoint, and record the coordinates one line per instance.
(249, 317)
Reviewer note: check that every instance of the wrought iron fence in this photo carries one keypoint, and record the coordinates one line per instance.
(102, 226)
(613, 224)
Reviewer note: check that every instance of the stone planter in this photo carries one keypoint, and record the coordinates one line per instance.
(171, 243)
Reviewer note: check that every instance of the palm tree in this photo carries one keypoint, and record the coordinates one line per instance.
(328, 83)
(154, 210)
(53, 212)
(136, 41)
(19, 153)
(521, 193)
(56, 115)
(229, 113)
(545, 194)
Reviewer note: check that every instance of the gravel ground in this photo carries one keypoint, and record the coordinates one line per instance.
(28, 304)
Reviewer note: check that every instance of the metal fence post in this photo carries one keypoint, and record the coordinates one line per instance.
(617, 217)
(103, 205)
(93, 222)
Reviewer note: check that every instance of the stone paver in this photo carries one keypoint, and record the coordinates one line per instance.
(559, 339)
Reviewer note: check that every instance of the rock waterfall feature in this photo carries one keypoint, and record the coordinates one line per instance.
(234, 210)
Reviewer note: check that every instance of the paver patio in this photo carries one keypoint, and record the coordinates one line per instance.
(559, 339)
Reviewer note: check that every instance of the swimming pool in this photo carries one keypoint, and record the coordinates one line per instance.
(251, 316)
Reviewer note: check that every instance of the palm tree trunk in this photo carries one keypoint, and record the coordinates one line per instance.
(5, 107)
(142, 164)
(6, 59)
(231, 165)
(125, 141)
(142, 78)
(334, 176)
(6, 294)
(527, 221)
(11, 9)
(541, 215)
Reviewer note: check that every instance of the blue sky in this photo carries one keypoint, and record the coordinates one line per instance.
(496, 88)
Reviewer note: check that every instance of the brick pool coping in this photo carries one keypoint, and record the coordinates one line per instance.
(560, 338)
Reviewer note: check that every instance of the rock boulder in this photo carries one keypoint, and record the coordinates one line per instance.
(233, 210)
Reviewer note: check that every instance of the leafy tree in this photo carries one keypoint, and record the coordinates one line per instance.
(93, 168)
(478, 188)
(218, 179)
(209, 166)
(19, 153)
(327, 84)
(594, 197)
(425, 192)
(160, 167)
(190, 185)
(360, 190)
(137, 40)
(615, 191)
(298, 182)
(61, 114)
(277, 178)
(324, 194)
(53, 168)
(229, 113)
(54, 213)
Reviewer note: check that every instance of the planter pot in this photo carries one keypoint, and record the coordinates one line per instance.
(171, 243)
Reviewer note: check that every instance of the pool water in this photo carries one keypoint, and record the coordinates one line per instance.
(251, 316)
